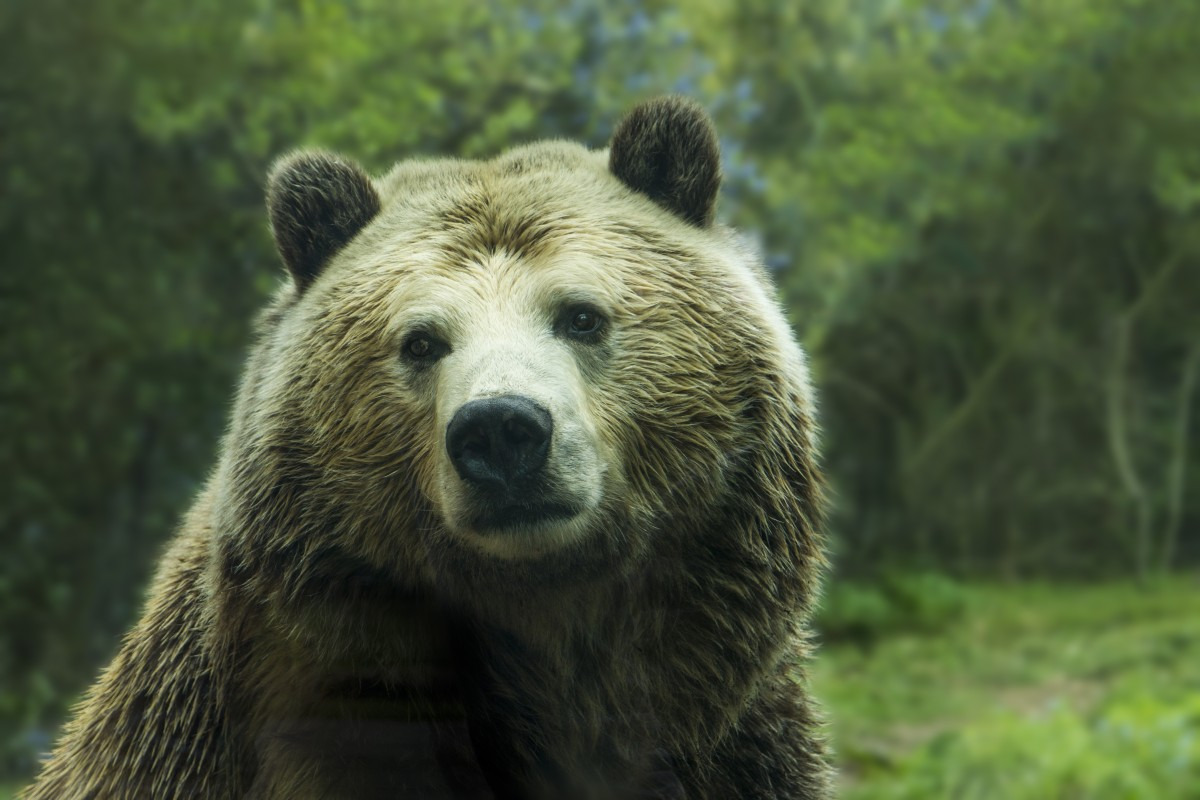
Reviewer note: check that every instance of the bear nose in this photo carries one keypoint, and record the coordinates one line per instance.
(498, 441)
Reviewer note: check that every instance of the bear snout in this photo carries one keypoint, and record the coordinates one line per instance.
(499, 445)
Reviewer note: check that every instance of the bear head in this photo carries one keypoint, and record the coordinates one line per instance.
(496, 377)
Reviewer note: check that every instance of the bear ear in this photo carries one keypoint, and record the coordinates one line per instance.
(667, 149)
(317, 203)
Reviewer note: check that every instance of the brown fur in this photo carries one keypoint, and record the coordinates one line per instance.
(324, 627)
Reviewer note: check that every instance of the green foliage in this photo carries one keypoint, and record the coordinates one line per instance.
(1145, 747)
(863, 611)
(1000, 323)
(1141, 747)
(1036, 691)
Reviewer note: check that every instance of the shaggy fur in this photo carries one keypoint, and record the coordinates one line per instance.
(330, 622)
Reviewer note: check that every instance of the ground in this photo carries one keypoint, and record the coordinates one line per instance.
(1047, 691)
(1051, 691)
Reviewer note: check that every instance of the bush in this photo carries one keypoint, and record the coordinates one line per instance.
(902, 602)
(1137, 746)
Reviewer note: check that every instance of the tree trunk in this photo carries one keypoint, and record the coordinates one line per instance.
(1119, 445)
(1178, 468)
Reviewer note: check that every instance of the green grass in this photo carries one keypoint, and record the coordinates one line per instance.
(1028, 691)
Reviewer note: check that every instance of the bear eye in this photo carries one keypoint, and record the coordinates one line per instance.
(582, 322)
(421, 348)
(585, 322)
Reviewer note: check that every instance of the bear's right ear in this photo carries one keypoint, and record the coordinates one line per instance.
(317, 203)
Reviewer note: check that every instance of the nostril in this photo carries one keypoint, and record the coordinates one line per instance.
(499, 441)
(475, 442)
(517, 433)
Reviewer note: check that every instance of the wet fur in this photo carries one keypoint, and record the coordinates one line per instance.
(317, 630)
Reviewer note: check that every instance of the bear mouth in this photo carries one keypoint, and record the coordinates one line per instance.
(521, 515)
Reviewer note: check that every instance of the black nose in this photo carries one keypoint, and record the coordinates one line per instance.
(498, 442)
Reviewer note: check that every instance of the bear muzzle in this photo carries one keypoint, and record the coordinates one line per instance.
(499, 447)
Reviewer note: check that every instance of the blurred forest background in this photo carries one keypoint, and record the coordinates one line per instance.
(984, 218)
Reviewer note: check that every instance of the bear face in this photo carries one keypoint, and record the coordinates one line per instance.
(495, 372)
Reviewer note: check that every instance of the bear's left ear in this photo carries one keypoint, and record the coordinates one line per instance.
(667, 149)
(317, 203)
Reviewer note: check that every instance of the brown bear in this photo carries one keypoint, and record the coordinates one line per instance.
(519, 499)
